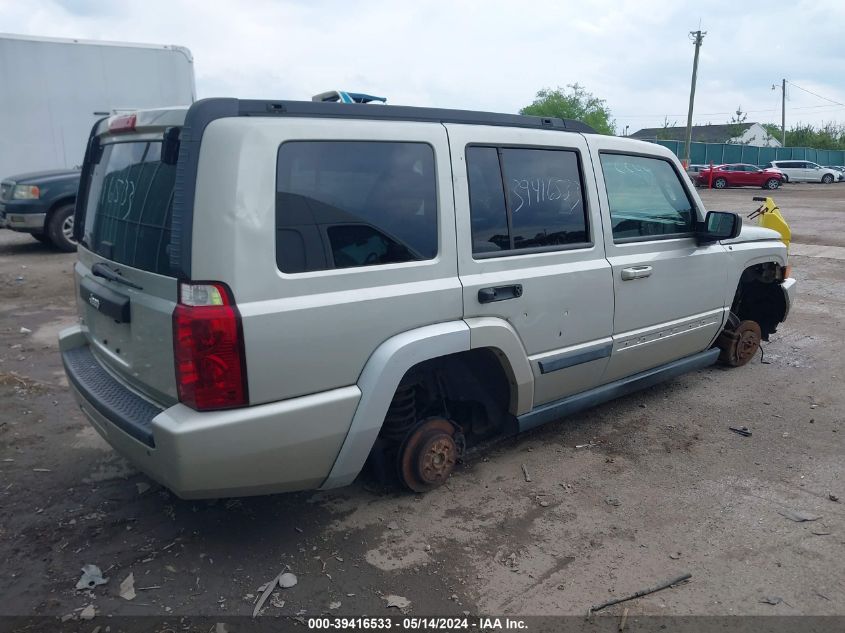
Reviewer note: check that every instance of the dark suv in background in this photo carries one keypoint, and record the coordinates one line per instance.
(41, 204)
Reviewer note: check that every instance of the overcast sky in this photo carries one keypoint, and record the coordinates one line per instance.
(489, 55)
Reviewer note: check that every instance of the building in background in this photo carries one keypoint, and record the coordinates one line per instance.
(752, 134)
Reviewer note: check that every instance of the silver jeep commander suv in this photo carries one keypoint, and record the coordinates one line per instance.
(271, 292)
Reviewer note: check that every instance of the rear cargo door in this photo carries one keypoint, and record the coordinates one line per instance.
(125, 289)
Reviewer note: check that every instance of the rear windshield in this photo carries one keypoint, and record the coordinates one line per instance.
(128, 217)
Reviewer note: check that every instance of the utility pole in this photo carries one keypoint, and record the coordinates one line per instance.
(783, 114)
(782, 111)
(697, 37)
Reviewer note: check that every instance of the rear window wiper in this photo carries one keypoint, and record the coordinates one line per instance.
(101, 270)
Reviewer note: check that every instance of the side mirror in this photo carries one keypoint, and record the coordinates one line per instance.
(719, 225)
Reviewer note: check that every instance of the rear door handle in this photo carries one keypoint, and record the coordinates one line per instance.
(636, 272)
(499, 293)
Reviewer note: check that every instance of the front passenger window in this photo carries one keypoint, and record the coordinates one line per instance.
(647, 199)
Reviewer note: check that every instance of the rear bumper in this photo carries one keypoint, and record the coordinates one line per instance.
(787, 286)
(278, 447)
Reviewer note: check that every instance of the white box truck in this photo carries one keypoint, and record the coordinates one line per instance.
(53, 90)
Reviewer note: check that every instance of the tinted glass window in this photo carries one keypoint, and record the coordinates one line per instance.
(646, 197)
(544, 195)
(542, 205)
(488, 213)
(358, 203)
(128, 218)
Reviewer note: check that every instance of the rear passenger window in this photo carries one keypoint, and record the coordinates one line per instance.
(523, 198)
(343, 204)
(646, 197)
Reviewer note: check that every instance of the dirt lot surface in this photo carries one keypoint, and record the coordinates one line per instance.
(662, 487)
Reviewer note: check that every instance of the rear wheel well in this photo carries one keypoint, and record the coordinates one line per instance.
(759, 297)
(472, 389)
(466, 396)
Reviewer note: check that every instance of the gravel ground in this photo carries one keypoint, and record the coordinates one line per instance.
(662, 488)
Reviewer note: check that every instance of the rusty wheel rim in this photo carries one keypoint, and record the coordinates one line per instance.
(428, 456)
(747, 342)
(437, 459)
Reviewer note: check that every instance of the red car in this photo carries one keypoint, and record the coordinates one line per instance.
(740, 175)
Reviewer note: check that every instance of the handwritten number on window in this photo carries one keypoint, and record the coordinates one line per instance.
(121, 192)
(531, 191)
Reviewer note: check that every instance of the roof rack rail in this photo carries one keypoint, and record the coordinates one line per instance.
(206, 110)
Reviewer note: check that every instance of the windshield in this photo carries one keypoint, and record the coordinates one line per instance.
(128, 217)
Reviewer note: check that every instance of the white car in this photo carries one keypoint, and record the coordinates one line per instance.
(838, 168)
(804, 171)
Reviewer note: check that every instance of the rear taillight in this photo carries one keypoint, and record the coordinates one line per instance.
(208, 348)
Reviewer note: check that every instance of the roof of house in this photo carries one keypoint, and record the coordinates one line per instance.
(700, 133)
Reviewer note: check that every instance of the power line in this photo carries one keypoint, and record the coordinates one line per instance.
(700, 114)
(838, 103)
(815, 94)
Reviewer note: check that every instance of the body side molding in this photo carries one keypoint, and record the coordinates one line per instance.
(572, 358)
(592, 397)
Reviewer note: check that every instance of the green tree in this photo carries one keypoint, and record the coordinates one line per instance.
(773, 130)
(827, 136)
(574, 102)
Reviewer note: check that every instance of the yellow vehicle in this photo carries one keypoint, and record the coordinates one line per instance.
(768, 215)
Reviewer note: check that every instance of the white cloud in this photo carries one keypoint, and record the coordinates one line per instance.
(491, 55)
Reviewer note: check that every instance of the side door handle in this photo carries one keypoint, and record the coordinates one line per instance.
(636, 272)
(499, 293)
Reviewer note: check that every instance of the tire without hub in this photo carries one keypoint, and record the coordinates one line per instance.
(428, 456)
(741, 345)
(720, 183)
(60, 228)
